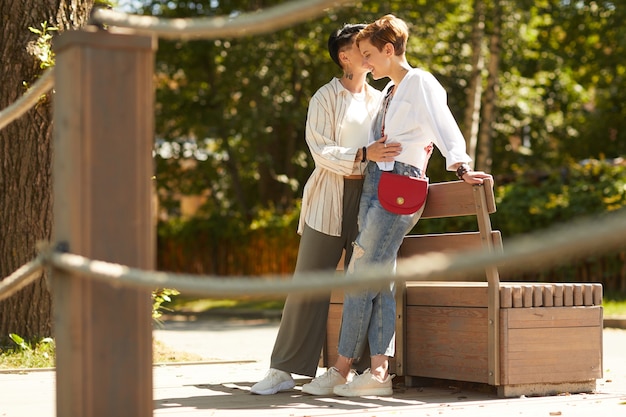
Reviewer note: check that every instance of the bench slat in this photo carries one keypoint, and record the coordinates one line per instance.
(512, 294)
(455, 198)
(444, 242)
(545, 317)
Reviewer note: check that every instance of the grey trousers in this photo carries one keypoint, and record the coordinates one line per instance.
(302, 330)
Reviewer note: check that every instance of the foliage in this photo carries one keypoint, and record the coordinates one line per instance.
(36, 354)
(238, 107)
(159, 297)
(230, 118)
(532, 200)
(42, 48)
(539, 199)
(213, 246)
(42, 353)
(529, 202)
(230, 113)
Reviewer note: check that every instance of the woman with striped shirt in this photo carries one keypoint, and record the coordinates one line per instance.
(339, 117)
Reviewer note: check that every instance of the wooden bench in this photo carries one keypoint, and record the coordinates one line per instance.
(521, 338)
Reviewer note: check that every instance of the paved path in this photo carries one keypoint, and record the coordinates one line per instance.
(236, 354)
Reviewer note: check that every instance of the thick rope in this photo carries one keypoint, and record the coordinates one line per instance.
(25, 275)
(220, 27)
(540, 250)
(29, 99)
(552, 247)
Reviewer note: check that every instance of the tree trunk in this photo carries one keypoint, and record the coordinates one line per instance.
(232, 166)
(26, 158)
(483, 157)
(474, 94)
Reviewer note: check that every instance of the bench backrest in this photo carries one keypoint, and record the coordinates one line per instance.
(453, 199)
(450, 199)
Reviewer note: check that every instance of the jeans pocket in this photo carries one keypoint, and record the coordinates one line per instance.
(406, 169)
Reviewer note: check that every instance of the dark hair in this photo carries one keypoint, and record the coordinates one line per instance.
(341, 38)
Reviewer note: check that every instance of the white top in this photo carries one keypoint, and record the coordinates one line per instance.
(356, 124)
(333, 153)
(417, 115)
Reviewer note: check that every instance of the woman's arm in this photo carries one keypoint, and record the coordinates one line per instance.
(321, 136)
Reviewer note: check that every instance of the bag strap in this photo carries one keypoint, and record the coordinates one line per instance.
(386, 101)
(428, 148)
(429, 151)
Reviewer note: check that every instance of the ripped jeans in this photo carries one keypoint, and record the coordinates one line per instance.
(371, 313)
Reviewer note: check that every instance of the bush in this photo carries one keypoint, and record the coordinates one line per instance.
(532, 201)
(538, 201)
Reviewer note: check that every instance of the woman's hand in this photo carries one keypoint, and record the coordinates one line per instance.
(380, 151)
(464, 172)
(476, 177)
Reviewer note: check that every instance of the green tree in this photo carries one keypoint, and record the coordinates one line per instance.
(591, 39)
(561, 88)
(231, 113)
(543, 78)
(235, 107)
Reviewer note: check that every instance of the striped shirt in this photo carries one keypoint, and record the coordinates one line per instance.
(322, 199)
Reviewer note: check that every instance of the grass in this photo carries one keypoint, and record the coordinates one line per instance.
(614, 308)
(22, 354)
(38, 354)
(614, 304)
(42, 355)
(193, 305)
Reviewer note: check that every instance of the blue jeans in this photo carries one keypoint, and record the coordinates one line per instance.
(371, 313)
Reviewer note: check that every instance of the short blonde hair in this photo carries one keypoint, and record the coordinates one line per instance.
(387, 29)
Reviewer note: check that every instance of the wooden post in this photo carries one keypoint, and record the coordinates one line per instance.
(103, 135)
(493, 280)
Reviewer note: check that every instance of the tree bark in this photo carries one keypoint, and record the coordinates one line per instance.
(483, 156)
(474, 94)
(26, 158)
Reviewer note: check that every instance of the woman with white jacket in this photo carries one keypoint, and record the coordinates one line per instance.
(339, 116)
(414, 114)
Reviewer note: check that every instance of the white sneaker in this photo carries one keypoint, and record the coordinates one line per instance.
(365, 384)
(324, 384)
(274, 381)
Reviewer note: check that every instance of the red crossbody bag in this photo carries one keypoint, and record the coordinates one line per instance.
(401, 194)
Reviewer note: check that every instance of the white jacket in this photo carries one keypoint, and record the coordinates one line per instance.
(417, 115)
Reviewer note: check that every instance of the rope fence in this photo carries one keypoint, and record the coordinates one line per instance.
(19, 279)
(235, 26)
(29, 99)
(551, 247)
(245, 24)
